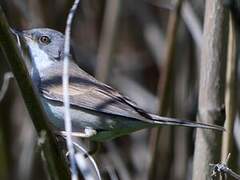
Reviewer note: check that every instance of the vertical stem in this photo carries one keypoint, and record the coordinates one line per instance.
(230, 94)
(107, 38)
(165, 84)
(211, 92)
(65, 81)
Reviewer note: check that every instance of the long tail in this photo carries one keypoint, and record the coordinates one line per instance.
(177, 122)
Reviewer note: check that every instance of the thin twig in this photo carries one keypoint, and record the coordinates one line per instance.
(230, 94)
(80, 160)
(67, 117)
(164, 86)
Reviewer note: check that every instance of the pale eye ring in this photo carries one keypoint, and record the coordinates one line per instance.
(44, 39)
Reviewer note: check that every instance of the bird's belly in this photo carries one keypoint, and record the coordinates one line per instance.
(107, 126)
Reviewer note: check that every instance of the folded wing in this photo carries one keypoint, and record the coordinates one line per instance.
(86, 92)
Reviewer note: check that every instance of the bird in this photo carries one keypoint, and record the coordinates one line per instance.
(98, 111)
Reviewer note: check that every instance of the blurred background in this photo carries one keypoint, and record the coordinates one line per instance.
(121, 42)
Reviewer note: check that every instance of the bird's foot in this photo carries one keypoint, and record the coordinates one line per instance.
(88, 132)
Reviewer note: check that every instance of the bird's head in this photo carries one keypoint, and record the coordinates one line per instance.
(49, 41)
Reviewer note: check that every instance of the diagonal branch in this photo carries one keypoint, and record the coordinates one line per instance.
(55, 160)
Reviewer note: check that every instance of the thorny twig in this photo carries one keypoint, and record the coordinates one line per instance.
(223, 169)
(67, 117)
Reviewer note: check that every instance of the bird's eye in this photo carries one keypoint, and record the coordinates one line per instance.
(44, 39)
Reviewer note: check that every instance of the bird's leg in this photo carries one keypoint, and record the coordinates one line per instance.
(88, 132)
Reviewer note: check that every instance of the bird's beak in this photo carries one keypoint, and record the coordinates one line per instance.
(26, 36)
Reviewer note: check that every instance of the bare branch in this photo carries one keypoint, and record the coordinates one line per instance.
(211, 92)
(230, 94)
(67, 117)
(56, 162)
(83, 166)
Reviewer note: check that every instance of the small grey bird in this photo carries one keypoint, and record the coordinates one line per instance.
(98, 111)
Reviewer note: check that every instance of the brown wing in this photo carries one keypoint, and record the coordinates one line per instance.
(86, 92)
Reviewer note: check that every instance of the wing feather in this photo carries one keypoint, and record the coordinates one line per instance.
(86, 92)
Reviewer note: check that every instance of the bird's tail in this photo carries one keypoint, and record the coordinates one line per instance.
(177, 122)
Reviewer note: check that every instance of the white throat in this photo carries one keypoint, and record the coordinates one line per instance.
(40, 58)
